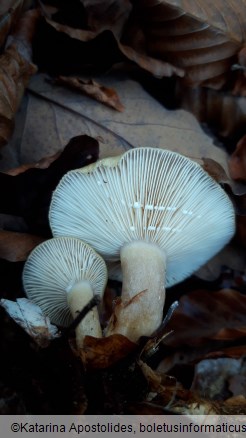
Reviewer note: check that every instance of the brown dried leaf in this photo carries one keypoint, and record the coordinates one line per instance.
(166, 394)
(155, 66)
(200, 37)
(10, 11)
(237, 162)
(215, 108)
(238, 402)
(204, 315)
(105, 352)
(15, 72)
(215, 170)
(15, 247)
(234, 352)
(91, 88)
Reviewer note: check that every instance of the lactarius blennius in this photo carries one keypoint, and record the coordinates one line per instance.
(61, 275)
(157, 212)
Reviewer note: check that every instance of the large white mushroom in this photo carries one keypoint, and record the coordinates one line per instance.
(62, 275)
(157, 212)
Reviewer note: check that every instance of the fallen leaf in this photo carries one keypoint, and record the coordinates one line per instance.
(105, 352)
(232, 256)
(30, 317)
(214, 108)
(91, 88)
(10, 11)
(15, 72)
(190, 356)
(97, 40)
(203, 315)
(168, 396)
(16, 247)
(235, 352)
(145, 122)
(238, 400)
(202, 38)
(215, 170)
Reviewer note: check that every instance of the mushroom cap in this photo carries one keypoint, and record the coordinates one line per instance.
(54, 267)
(146, 194)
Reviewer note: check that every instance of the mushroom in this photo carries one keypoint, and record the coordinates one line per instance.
(156, 211)
(61, 275)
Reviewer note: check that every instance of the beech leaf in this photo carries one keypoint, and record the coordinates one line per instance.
(203, 315)
(16, 69)
(10, 11)
(105, 352)
(200, 37)
(155, 66)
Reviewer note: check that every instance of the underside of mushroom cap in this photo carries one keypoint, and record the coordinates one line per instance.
(54, 267)
(146, 194)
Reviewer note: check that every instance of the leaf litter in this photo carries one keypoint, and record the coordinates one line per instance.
(164, 373)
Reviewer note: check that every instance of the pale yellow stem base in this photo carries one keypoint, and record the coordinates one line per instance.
(78, 296)
(140, 312)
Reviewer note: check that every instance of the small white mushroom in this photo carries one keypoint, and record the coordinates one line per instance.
(61, 275)
(157, 212)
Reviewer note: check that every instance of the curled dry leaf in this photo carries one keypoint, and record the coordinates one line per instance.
(30, 317)
(200, 37)
(105, 352)
(15, 247)
(168, 396)
(155, 66)
(203, 315)
(15, 72)
(215, 109)
(215, 170)
(91, 88)
(237, 165)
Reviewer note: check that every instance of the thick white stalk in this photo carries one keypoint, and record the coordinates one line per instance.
(78, 296)
(143, 291)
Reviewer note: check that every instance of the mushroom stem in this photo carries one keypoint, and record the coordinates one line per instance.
(89, 326)
(140, 311)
